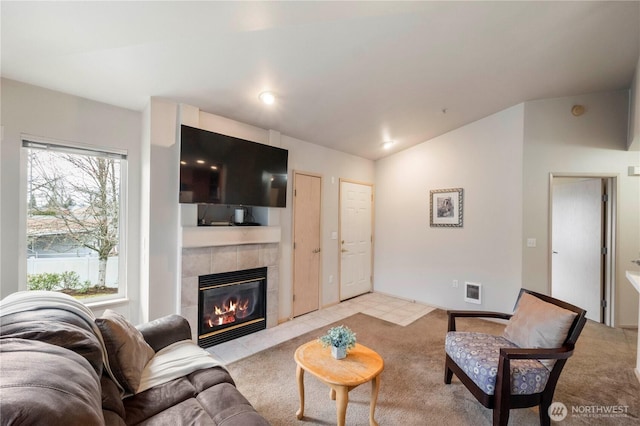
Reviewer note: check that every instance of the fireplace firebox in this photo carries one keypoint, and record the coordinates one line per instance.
(231, 305)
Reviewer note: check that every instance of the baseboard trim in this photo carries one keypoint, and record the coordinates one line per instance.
(629, 327)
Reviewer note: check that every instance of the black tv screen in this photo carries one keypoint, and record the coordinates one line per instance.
(221, 169)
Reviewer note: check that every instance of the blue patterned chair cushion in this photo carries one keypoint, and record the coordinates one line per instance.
(477, 354)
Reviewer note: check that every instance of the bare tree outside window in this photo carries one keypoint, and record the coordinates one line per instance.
(73, 226)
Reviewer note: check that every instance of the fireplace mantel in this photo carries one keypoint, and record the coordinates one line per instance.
(211, 236)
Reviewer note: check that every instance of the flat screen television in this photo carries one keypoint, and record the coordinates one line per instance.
(221, 169)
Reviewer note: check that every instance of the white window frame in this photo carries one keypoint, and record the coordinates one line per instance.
(76, 148)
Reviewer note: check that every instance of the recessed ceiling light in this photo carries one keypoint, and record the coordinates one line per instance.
(267, 98)
(388, 144)
(214, 167)
(200, 161)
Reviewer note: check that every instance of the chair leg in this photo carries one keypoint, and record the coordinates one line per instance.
(448, 373)
(501, 406)
(545, 403)
(500, 416)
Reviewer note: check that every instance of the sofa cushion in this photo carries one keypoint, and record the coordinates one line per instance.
(111, 396)
(478, 355)
(146, 404)
(127, 350)
(47, 384)
(227, 406)
(143, 405)
(538, 324)
(206, 395)
(188, 412)
(57, 327)
(112, 419)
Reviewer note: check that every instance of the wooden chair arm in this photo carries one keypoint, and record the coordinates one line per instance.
(563, 352)
(503, 376)
(473, 314)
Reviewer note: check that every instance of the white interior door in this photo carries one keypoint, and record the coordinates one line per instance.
(356, 239)
(577, 242)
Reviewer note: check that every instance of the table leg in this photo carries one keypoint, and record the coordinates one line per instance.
(342, 398)
(300, 377)
(332, 394)
(375, 387)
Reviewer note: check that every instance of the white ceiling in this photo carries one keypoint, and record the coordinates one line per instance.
(347, 75)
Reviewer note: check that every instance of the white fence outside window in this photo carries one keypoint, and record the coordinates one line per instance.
(85, 267)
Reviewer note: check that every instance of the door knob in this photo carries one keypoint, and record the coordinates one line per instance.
(316, 251)
(344, 250)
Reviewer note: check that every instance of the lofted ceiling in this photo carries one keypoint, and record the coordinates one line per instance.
(347, 75)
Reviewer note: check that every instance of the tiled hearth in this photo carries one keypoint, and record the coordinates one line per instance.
(212, 260)
(377, 305)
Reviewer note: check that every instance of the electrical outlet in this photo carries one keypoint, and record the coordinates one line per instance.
(330, 279)
(454, 284)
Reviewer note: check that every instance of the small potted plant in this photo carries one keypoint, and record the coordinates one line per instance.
(341, 339)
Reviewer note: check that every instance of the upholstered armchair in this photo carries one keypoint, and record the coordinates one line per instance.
(520, 368)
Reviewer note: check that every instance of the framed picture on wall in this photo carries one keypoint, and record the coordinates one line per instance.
(445, 208)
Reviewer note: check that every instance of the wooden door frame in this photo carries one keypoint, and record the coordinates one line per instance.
(373, 239)
(293, 238)
(612, 185)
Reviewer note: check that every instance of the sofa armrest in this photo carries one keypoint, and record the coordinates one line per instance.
(164, 331)
(473, 314)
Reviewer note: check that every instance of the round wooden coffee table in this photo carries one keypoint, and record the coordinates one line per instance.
(360, 366)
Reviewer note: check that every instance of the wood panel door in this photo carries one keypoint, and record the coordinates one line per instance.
(356, 239)
(306, 243)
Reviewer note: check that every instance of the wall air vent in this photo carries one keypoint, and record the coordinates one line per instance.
(473, 293)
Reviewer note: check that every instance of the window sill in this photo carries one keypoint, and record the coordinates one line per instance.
(107, 303)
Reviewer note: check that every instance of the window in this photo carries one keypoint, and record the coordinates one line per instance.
(75, 232)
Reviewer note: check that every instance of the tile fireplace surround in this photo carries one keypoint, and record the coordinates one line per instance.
(198, 261)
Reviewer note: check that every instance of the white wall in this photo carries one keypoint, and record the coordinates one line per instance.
(332, 166)
(161, 290)
(145, 207)
(416, 261)
(1, 142)
(557, 142)
(165, 235)
(633, 140)
(503, 163)
(40, 112)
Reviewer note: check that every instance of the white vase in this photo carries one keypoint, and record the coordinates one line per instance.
(339, 352)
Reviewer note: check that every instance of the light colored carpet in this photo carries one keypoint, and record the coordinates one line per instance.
(412, 388)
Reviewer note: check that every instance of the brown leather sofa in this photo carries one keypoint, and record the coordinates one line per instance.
(52, 372)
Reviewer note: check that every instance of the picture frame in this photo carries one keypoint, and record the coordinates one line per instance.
(445, 208)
